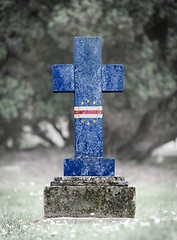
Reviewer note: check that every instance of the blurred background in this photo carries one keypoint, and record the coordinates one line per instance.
(37, 126)
(141, 35)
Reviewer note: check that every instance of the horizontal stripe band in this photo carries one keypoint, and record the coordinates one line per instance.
(88, 115)
(88, 112)
(88, 108)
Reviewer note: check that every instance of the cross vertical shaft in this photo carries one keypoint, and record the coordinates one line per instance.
(88, 98)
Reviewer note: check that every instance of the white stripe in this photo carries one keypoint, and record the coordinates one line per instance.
(88, 108)
(88, 115)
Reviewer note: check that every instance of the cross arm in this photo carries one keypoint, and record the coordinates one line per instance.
(63, 78)
(112, 78)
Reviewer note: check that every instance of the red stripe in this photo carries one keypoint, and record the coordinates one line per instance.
(88, 112)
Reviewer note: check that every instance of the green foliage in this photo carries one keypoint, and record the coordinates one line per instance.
(123, 26)
(36, 34)
(15, 95)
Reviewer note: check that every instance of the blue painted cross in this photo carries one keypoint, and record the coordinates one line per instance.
(87, 78)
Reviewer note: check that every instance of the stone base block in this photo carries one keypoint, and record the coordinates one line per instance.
(106, 197)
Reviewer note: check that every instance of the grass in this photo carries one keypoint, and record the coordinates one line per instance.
(21, 206)
(21, 216)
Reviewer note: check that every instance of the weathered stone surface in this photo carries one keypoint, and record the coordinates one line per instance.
(84, 181)
(87, 78)
(89, 197)
(89, 167)
(90, 194)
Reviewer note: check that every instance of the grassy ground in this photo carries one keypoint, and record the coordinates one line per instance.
(21, 206)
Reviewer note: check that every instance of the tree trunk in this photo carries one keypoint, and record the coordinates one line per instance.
(155, 128)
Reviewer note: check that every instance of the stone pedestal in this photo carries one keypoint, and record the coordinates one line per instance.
(89, 197)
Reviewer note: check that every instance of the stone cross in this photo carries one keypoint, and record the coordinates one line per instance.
(87, 78)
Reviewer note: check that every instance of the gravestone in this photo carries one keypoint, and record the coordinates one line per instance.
(89, 187)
